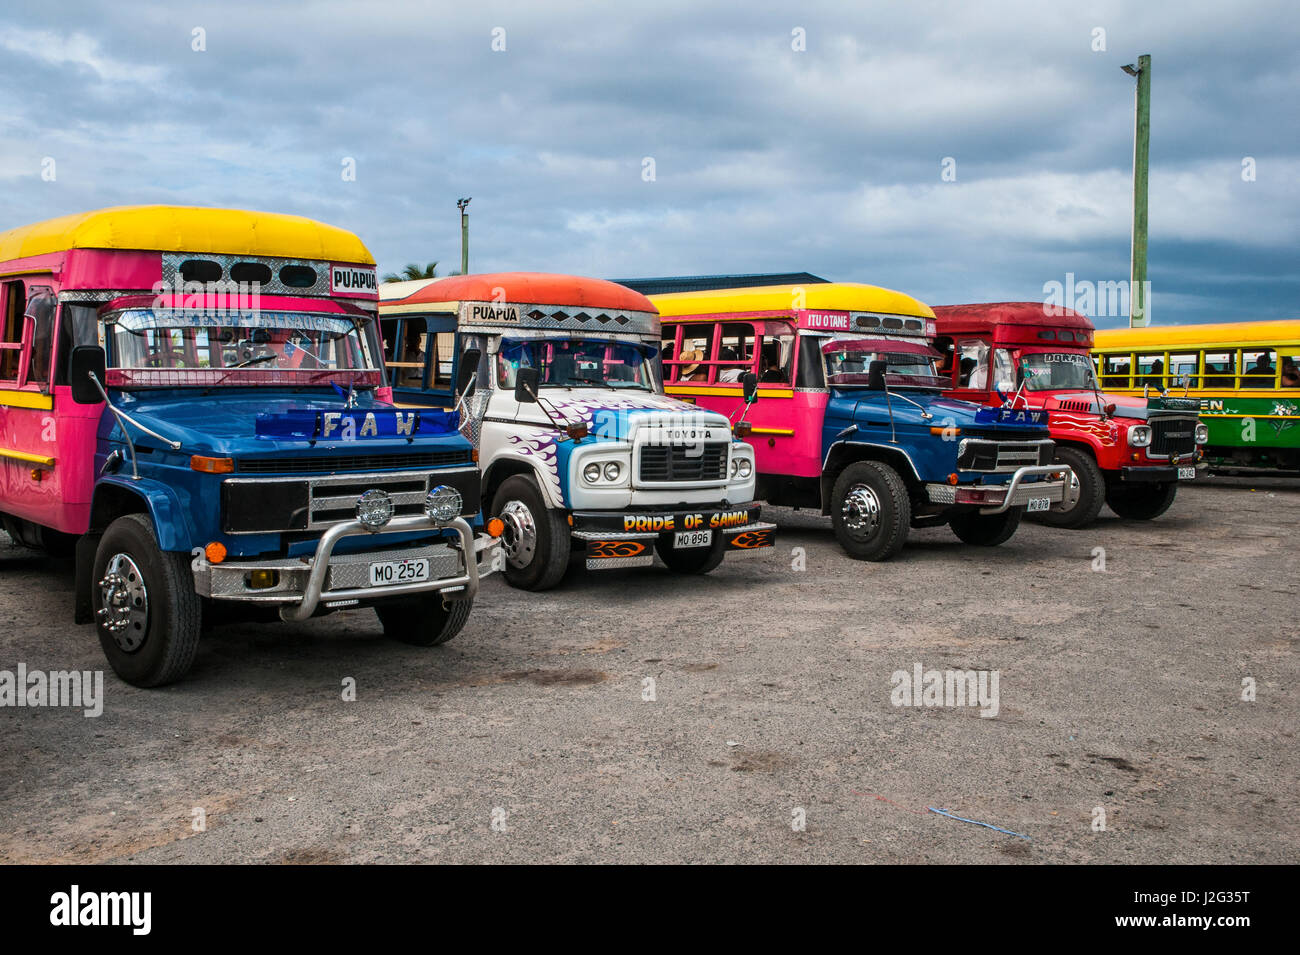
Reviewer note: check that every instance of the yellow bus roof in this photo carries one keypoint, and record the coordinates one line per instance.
(1197, 336)
(186, 229)
(837, 296)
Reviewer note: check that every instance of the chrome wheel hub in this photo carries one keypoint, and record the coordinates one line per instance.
(123, 603)
(861, 511)
(519, 535)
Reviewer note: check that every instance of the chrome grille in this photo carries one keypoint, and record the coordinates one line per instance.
(327, 463)
(675, 463)
(1172, 436)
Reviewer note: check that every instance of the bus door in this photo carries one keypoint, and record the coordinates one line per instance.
(420, 352)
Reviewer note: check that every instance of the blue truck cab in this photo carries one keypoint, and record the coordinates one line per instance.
(219, 433)
(850, 418)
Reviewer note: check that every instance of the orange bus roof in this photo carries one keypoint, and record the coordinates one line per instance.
(530, 288)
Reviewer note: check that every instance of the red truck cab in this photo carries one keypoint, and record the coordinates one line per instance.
(1128, 452)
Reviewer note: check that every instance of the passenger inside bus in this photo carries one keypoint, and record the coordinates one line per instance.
(1290, 373)
(770, 370)
(1260, 374)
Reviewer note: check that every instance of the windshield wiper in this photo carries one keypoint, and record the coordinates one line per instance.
(254, 361)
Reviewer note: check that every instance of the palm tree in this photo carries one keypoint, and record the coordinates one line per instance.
(413, 272)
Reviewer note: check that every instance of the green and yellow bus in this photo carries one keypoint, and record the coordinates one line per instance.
(1246, 375)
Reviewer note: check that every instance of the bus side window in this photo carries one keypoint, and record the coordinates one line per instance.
(1258, 368)
(443, 353)
(1115, 371)
(40, 312)
(389, 327)
(1182, 366)
(1218, 369)
(811, 371)
(973, 364)
(1291, 369)
(776, 358)
(11, 335)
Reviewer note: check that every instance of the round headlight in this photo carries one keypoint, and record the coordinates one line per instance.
(374, 508)
(744, 468)
(1202, 434)
(735, 466)
(443, 504)
(1139, 436)
(612, 471)
(591, 473)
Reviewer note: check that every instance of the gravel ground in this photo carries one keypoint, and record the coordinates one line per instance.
(527, 738)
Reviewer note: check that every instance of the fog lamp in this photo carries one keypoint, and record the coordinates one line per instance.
(374, 508)
(443, 504)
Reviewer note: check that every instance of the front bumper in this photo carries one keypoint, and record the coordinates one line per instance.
(996, 498)
(304, 583)
(1159, 474)
(627, 538)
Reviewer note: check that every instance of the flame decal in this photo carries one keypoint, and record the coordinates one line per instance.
(752, 539)
(615, 548)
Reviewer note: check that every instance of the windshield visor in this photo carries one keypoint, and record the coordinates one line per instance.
(178, 348)
(576, 363)
(848, 362)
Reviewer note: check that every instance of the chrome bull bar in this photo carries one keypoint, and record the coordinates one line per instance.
(315, 589)
(1054, 491)
(1014, 493)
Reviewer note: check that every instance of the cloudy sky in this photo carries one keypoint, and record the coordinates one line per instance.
(618, 139)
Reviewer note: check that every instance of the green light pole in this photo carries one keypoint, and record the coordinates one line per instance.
(461, 204)
(1139, 308)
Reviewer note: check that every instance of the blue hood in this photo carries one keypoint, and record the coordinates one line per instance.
(224, 423)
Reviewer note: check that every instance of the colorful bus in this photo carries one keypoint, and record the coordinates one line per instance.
(1127, 451)
(193, 406)
(1245, 377)
(581, 451)
(849, 418)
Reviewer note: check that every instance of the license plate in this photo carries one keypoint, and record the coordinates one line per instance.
(385, 572)
(692, 539)
(1039, 504)
(1186, 474)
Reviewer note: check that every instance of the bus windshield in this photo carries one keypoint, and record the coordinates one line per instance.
(576, 363)
(906, 364)
(183, 347)
(1051, 371)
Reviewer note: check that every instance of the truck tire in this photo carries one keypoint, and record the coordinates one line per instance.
(870, 511)
(1141, 502)
(1092, 491)
(146, 610)
(985, 530)
(691, 560)
(423, 621)
(536, 538)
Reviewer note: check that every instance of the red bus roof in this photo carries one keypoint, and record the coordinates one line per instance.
(530, 288)
(991, 314)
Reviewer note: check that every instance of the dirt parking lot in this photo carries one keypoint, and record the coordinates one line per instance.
(529, 737)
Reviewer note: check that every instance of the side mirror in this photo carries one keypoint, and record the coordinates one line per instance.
(876, 374)
(749, 383)
(526, 385)
(467, 375)
(87, 360)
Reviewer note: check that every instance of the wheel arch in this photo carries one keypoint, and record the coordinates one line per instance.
(844, 453)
